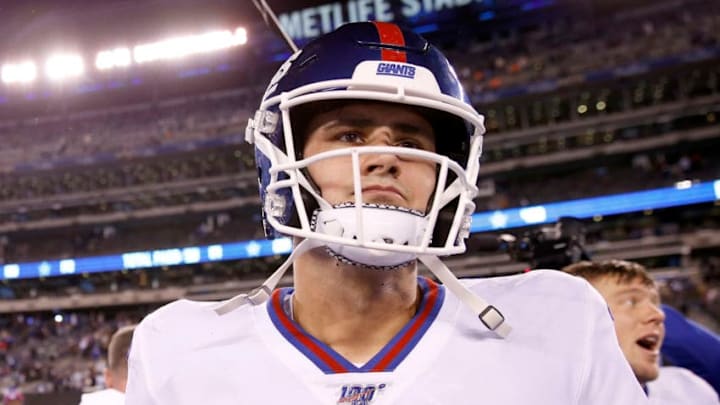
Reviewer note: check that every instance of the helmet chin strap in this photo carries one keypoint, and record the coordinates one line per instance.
(488, 314)
(262, 293)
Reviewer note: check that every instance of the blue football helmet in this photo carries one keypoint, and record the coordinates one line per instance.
(380, 62)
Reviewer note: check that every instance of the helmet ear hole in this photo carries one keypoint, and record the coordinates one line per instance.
(451, 134)
(444, 222)
(311, 205)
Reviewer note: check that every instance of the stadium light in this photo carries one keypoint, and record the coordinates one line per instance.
(64, 66)
(240, 36)
(23, 72)
(118, 57)
(179, 47)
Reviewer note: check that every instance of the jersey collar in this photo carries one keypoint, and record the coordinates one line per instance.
(387, 359)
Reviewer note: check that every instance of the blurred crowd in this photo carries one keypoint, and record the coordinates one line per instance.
(641, 171)
(221, 180)
(122, 132)
(50, 352)
(239, 217)
(563, 49)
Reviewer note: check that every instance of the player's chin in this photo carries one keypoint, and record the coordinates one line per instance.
(646, 371)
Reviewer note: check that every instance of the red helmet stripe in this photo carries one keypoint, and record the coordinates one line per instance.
(390, 34)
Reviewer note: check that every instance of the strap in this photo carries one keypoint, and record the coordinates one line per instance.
(488, 314)
(261, 294)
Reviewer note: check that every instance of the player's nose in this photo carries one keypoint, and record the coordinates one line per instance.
(382, 162)
(654, 313)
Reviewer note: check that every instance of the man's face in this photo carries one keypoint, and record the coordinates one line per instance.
(638, 323)
(386, 178)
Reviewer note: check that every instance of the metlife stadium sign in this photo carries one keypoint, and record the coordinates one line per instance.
(311, 22)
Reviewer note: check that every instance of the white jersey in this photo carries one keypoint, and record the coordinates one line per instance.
(107, 396)
(678, 386)
(562, 350)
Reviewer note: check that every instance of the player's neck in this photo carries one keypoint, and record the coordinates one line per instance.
(355, 311)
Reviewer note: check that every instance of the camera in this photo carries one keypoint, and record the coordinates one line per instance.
(552, 247)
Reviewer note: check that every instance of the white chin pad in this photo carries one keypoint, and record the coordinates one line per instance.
(381, 225)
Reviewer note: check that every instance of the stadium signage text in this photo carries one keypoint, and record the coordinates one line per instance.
(311, 22)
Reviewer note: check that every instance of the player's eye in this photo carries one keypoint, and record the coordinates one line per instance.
(350, 137)
(630, 302)
(409, 143)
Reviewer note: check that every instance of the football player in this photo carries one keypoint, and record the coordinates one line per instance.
(634, 301)
(368, 153)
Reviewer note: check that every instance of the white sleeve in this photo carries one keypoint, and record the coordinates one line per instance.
(607, 377)
(677, 385)
(139, 390)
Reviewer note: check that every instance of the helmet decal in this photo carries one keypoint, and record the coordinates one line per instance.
(391, 35)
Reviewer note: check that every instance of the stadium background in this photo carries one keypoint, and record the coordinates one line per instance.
(125, 187)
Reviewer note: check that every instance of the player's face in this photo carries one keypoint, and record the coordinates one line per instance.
(638, 323)
(386, 178)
